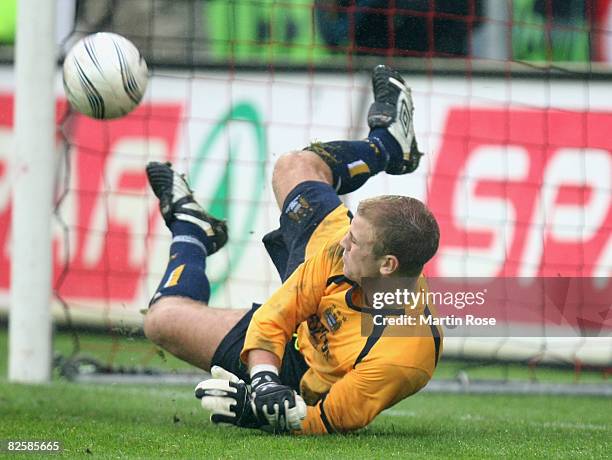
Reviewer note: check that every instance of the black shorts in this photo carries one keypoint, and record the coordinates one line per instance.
(227, 354)
(304, 209)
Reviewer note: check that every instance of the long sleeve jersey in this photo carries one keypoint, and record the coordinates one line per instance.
(352, 376)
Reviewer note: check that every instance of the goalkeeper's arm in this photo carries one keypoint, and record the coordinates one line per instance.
(272, 401)
(267, 404)
(360, 395)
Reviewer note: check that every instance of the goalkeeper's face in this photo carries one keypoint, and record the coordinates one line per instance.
(359, 259)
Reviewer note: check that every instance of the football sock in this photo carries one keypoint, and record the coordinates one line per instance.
(354, 162)
(186, 271)
(388, 143)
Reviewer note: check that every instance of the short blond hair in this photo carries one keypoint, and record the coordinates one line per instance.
(403, 227)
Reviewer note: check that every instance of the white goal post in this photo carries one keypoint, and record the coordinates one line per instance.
(32, 168)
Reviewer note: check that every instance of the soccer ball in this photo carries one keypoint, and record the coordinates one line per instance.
(104, 76)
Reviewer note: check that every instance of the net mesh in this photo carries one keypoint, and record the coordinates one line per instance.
(511, 108)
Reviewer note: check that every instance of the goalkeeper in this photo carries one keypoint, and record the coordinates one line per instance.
(299, 362)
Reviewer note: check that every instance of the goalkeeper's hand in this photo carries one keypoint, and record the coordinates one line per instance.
(227, 398)
(275, 404)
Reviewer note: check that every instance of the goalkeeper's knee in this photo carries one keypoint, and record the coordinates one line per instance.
(352, 162)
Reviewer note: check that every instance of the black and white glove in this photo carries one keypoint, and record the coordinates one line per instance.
(227, 398)
(275, 404)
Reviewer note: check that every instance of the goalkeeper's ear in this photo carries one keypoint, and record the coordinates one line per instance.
(218, 372)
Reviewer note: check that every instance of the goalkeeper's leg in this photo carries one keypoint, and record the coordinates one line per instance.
(179, 319)
(307, 183)
(346, 165)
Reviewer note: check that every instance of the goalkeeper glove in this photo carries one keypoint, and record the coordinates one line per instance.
(275, 404)
(227, 398)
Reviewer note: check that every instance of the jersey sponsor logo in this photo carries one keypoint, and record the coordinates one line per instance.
(523, 193)
(318, 335)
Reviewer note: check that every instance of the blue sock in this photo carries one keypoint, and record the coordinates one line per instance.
(353, 162)
(185, 274)
(387, 142)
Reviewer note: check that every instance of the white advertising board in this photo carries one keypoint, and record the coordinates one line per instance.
(518, 173)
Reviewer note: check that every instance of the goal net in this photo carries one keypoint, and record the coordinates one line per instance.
(512, 107)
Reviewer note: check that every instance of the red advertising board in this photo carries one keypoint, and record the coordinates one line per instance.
(524, 193)
(108, 221)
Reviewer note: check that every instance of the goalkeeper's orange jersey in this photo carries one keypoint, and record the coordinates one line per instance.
(352, 377)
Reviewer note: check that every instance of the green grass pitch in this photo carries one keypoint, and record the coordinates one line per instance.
(167, 422)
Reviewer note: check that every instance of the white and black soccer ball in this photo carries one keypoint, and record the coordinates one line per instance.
(104, 76)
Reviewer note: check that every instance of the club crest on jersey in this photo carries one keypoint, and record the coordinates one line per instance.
(333, 319)
(298, 208)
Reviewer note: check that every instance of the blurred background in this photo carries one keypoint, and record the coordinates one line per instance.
(304, 32)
